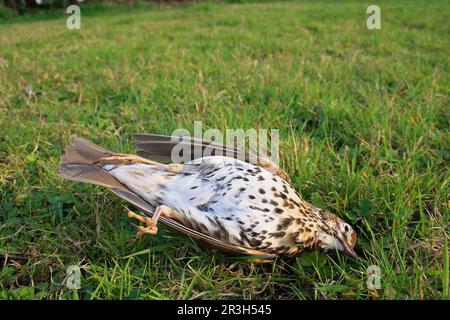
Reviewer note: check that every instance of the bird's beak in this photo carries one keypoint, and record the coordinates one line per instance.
(348, 250)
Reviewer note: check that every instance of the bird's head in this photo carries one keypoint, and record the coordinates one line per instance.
(336, 234)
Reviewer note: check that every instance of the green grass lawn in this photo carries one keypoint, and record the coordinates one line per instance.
(363, 118)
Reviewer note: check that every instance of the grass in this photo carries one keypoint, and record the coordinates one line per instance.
(363, 118)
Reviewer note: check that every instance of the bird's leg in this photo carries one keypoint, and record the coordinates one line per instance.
(151, 222)
(260, 261)
(121, 158)
(124, 159)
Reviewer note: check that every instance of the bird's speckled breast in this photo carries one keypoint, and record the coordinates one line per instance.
(229, 199)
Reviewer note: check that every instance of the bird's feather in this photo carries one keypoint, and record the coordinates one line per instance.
(78, 164)
(160, 147)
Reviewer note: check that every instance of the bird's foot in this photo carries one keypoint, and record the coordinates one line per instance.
(150, 223)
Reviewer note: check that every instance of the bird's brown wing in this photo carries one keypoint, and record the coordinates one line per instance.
(77, 165)
(160, 147)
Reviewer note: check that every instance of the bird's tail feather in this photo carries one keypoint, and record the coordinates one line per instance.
(78, 164)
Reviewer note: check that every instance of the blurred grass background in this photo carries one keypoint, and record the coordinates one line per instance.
(363, 118)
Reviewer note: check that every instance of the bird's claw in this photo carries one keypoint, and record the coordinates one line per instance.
(148, 230)
(150, 223)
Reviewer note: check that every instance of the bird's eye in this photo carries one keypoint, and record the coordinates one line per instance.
(346, 228)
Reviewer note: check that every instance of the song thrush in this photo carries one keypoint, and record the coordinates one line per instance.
(245, 207)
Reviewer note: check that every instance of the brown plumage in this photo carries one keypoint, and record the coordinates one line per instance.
(242, 207)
